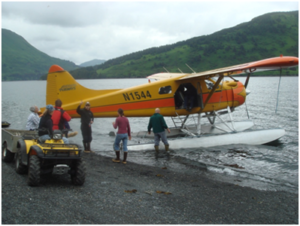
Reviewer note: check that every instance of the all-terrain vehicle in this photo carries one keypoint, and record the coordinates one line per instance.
(35, 157)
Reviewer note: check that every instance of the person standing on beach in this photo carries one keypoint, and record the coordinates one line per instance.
(87, 119)
(33, 119)
(157, 122)
(123, 134)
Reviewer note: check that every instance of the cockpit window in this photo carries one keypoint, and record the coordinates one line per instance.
(165, 90)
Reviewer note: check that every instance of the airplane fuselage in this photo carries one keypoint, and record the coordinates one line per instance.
(168, 95)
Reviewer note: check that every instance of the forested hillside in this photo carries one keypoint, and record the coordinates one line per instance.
(266, 36)
(21, 61)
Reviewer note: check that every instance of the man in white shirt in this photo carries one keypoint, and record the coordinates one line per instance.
(33, 119)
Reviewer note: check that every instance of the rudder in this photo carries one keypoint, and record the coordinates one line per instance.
(61, 85)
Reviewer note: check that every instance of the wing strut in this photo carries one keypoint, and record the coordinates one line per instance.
(278, 90)
(212, 91)
(247, 80)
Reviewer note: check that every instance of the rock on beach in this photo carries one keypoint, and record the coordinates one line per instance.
(114, 193)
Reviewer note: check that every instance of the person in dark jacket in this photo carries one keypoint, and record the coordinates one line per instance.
(190, 94)
(157, 122)
(46, 125)
(87, 119)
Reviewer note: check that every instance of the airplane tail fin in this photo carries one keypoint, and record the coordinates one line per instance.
(61, 85)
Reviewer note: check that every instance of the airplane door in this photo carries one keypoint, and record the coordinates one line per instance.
(181, 94)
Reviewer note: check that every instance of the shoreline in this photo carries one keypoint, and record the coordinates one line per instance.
(114, 193)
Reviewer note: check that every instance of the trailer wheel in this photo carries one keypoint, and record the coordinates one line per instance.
(20, 168)
(78, 175)
(7, 155)
(34, 171)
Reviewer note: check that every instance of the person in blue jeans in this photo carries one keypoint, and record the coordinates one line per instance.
(157, 122)
(123, 134)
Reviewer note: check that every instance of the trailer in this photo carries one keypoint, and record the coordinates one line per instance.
(10, 139)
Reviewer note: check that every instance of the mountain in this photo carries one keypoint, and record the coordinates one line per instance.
(266, 36)
(92, 63)
(22, 61)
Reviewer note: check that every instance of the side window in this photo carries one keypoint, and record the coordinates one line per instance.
(165, 90)
(209, 84)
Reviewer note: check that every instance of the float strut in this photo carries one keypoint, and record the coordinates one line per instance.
(199, 124)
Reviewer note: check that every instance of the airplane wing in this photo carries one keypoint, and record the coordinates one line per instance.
(266, 64)
(160, 76)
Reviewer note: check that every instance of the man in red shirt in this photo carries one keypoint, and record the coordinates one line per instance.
(59, 116)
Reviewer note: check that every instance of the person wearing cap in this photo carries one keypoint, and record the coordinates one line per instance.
(46, 125)
(123, 135)
(33, 119)
(87, 119)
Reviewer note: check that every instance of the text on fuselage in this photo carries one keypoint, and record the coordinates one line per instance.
(137, 95)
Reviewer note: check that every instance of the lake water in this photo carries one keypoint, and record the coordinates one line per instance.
(264, 167)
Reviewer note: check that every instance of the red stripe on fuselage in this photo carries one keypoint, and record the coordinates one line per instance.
(217, 97)
(169, 102)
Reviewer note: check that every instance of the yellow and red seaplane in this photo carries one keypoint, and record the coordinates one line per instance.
(178, 95)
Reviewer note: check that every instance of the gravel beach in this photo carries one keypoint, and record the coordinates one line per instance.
(114, 193)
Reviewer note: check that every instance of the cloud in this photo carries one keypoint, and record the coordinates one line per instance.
(82, 31)
(61, 14)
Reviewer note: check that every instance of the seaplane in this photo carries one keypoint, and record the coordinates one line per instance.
(179, 96)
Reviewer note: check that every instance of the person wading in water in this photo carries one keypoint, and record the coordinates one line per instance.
(157, 122)
(123, 135)
(87, 119)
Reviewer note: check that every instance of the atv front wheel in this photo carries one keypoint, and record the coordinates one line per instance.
(34, 171)
(7, 156)
(78, 175)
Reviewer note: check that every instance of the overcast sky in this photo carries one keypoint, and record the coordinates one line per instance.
(83, 31)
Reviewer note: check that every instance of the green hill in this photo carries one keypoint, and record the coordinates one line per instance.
(265, 36)
(21, 61)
